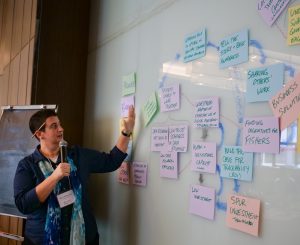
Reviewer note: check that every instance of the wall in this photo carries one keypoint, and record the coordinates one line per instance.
(17, 38)
(143, 36)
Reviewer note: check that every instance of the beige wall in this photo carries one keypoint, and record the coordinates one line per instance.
(17, 36)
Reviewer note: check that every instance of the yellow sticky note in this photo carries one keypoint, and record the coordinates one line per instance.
(294, 25)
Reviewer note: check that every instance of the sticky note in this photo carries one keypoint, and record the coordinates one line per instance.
(178, 138)
(234, 49)
(123, 173)
(271, 9)
(202, 201)
(139, 173)
(194, 46)
(207, 113)
(293, 25)
(264, 82)
(128, 84)
(126, 102)
(204, 157)
(236, 164)
(150, 109)
(169, 98)
(243, 214)
(169, 165)
(159, 138)
(286, 103)
(261, 134)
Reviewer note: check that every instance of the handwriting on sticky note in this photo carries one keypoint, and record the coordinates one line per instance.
(207, 113)
(234, 49)
(204, 157)
(169, 98)
(243, 214)
(178, 138)
(168, 165)
(139, 173)
(236, 164)
(195, 46)
(150, 109)
(202, 201)
(128, 84)
(286, 103)
(261, 134)
(271, 9)
(264, 82)
(294, 25)
(159, 138)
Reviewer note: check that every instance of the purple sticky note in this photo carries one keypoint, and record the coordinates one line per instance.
(204, 157)
(178, 138)
(169, 98)
(126, 102)
(139, 173)
(261, 134)
(202, 201)
(271, 9)
(159, 138)
(168, 165)
(207, 113)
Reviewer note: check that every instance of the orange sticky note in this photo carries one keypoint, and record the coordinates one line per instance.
(286, 103)
(243, 214)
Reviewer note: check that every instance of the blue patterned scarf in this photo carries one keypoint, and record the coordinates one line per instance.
(53, 220)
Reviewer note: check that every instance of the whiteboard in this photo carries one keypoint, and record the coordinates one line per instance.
(147, 38)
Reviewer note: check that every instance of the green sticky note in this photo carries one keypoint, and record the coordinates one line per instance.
(128, 84)
(150, 109)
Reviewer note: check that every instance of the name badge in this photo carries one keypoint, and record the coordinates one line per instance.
(66, 198)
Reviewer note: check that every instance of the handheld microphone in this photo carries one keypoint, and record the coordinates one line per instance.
(63, 150)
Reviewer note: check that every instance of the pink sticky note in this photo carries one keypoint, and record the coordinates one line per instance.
(169, 98)
(243, 214)
(204, 157)
(202, 201)
(271, 9)
(168, 165)
(139, 173)
(159, 138)
(286, 103)
(261, 134)
(207, 113)
(126, 102)
(123, 176)
(178, 138)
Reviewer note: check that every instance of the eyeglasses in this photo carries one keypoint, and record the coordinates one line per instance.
(53, 126)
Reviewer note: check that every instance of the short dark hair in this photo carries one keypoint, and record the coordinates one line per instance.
(38, 118)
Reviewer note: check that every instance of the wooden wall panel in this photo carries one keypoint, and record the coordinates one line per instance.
(4, 226)
(30, 69)
(4, 86)
(6, 33)
(13, 81)
(26, 22)
(17, 28)
(23, 76)
(33, 18)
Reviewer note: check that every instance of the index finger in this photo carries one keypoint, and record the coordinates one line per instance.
(131, 111)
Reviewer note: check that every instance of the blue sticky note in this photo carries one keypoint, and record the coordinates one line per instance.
(234, 49)
(264, 82)
(195, 46)
(236, 164)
